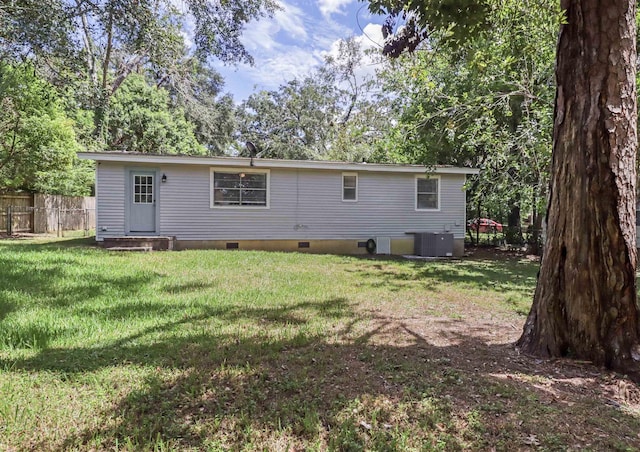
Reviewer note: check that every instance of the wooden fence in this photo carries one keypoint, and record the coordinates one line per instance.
(16, 212)
(41, 214)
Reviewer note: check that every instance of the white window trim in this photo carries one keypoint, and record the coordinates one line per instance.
(212, 172)
(357, 186)
(133, 188)
(415, 193)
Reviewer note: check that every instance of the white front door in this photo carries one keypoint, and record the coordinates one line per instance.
(142, 202)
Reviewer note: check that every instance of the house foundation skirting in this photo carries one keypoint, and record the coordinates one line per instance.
(138, 243)
(399, 246)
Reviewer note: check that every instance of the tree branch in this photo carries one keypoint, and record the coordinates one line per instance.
(107, 55)
(88, 43)
(125, 70)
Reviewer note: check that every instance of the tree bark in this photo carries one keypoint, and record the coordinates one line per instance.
(536, 230)
(585, 300)
(513, 230)
(88, 45)
(100, 116)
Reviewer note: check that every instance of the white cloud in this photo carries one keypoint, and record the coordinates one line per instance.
(328, 7)
(294, 42)
(276, 70)
(291, 19)
(188, 39)
(260, 36)
(326, 32)
(371, 38)
(263, 34)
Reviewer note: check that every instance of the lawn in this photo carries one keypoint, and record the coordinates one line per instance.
(233, 350)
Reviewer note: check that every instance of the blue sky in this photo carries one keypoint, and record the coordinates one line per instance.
(297, 39)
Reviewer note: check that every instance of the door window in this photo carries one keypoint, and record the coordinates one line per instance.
(142, 189)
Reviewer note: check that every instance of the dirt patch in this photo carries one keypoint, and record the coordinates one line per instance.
(525, 403)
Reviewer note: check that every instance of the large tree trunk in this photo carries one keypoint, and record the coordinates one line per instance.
(585, 301)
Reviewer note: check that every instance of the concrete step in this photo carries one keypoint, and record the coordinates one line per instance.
(129, 248)
(133, 243)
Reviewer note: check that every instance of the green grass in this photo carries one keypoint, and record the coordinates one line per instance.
(218, 350)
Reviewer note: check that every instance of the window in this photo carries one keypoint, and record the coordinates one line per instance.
(240, 188)
(349, 186)
(427, 193)
(142, 189)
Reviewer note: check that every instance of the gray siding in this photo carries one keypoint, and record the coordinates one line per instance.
(304, 204)
(110, 200)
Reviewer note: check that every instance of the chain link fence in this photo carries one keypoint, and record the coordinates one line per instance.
(512, 238)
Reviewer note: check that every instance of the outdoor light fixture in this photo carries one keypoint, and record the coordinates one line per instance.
(241, 175)
(164, 178)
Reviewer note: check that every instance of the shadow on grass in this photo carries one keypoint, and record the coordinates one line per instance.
(340, 390)
(43, 275)
(27, 264)
(370, 383)
(6, 307)
(43, 279)
(32, 243)
(395, 273)
(165, 353)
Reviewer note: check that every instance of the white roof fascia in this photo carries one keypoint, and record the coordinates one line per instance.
(268, 163)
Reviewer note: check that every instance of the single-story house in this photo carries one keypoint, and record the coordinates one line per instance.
(250, 203)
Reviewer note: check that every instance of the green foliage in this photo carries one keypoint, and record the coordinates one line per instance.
(365, 118)
(329, 114)
(197, 90)
(25, 28)
(37, 141)
(95, 46)
(89, 51)
(294, 121)
(141, 120)
(488, 104)
(143, 26)
(410, 22)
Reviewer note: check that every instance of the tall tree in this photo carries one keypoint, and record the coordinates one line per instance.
(197, 89)
(585, 300)
(37, 141)
(364, 110)
(107, 40)
(294, 121)
(486, 102)
(330, 113)
(143, 121)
